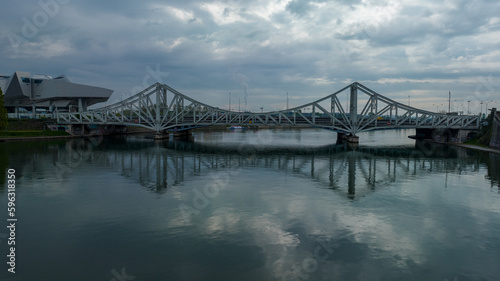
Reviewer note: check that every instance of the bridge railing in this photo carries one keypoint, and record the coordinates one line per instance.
(160, 107)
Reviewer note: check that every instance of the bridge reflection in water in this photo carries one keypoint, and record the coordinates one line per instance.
(352, 172)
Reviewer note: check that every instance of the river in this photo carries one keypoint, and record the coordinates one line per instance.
(277, 204)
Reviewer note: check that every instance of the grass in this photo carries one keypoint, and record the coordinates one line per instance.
(32, 133)
(475, 142)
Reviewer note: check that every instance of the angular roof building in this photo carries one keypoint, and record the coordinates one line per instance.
(22, 90)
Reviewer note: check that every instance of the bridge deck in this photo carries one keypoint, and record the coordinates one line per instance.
(159, 107)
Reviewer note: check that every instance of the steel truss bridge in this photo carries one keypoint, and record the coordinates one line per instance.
(162, 108)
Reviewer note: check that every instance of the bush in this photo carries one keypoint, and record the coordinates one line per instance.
(3, 113)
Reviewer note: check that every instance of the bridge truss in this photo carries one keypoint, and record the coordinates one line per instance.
(162, 108)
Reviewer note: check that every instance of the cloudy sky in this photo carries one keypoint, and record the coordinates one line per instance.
(261, 50)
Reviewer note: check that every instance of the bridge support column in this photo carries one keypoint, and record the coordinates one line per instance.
(352, 139)
(495, 135)
(77, 129)
(444, 135)
(462, 135)
(161, 136)
(422, 134)
(183, 134)
(341, 137)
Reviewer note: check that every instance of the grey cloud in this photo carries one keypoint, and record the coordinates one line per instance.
(302, 47)
(299, 7)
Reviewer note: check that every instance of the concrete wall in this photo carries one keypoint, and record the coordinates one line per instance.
(495, 136)
(444, 135)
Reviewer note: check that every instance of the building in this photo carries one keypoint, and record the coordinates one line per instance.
(24, 93)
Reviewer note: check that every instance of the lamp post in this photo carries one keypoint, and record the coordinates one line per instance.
(449, 101)
(468, 106)
(437, 106)
(487, 105)
(453, 105)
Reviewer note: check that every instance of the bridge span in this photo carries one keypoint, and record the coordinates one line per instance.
(162, 109)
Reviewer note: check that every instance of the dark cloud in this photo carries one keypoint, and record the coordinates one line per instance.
(299, 7)
(306, 48)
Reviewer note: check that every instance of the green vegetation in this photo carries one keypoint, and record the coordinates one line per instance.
(484, 137)
(3, 112)
(37, 133)
(476, 142)
(28, 128)
(4, 165)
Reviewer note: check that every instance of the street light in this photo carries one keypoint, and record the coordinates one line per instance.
(468, 104)
(487, 105)
(453, 105)
(437, 106)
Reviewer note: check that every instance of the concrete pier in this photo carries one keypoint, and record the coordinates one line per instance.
(445, 135)
(183, 134)
(348, 138)
(352, 139)
(161, 136)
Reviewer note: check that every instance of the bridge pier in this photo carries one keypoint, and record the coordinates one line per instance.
(352, 139)
(77, 129)
(91, 129)
(422, 134)
(183, 134)
(495, 135)
(444, 135)
(341, 137)
(161, 136)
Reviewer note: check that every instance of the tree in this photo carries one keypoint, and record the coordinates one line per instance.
(3, 113)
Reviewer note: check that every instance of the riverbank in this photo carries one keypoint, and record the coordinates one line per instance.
(468, 146)
(57, 137)
(475, 147)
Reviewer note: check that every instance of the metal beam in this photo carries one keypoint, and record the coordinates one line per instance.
(168, 111)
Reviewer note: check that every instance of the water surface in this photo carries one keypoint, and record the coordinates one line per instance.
(254, 205)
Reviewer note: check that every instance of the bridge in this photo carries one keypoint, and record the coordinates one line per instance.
(162, 108)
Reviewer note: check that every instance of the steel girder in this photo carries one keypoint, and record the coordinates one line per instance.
(161, 108)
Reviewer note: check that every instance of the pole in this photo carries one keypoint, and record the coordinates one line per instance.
(468, 105)
(486, 109)
(286, 100)
(408, 100)
(449, 101)
(229, 101)
(347, 101)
